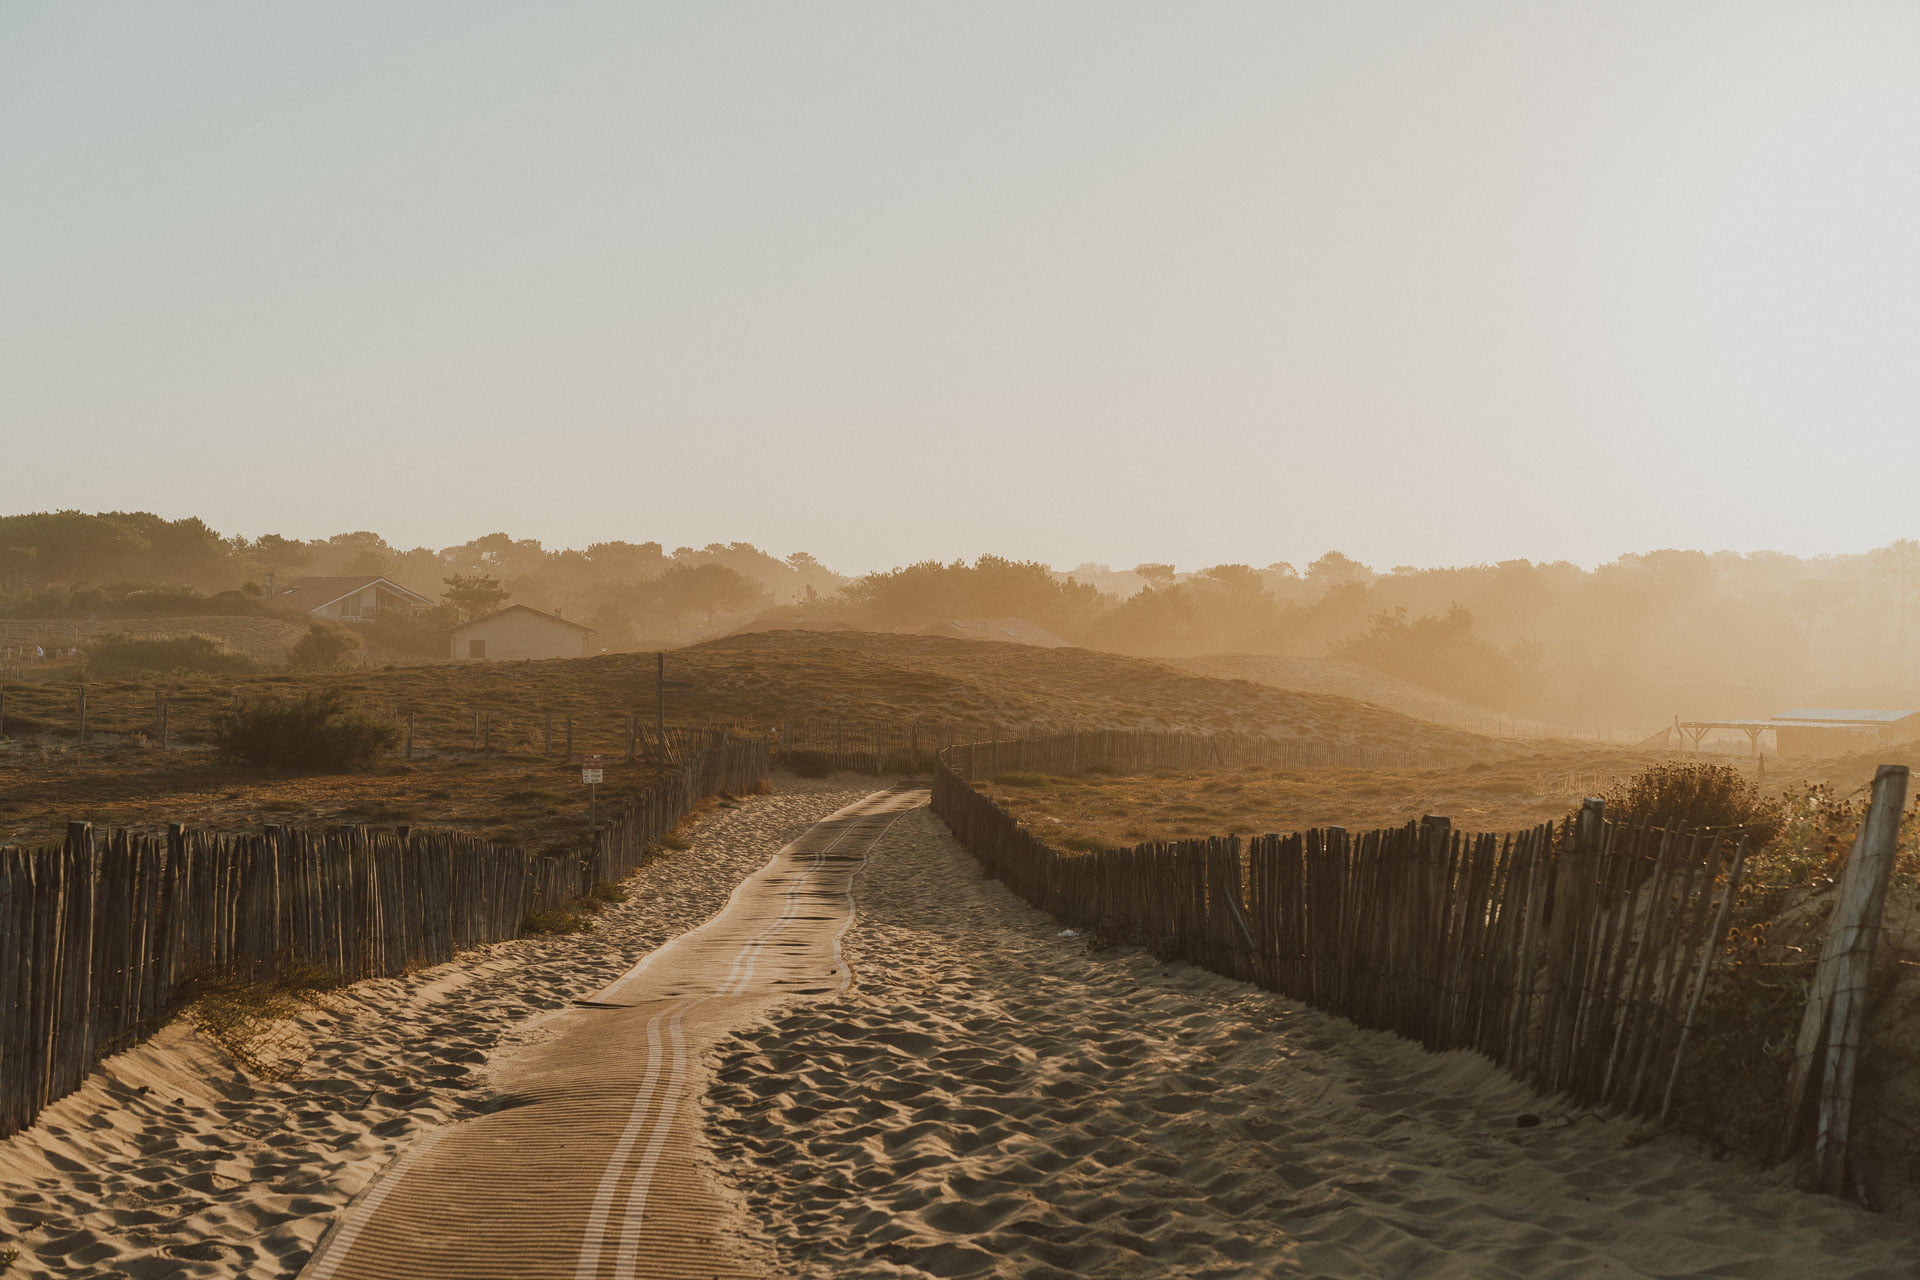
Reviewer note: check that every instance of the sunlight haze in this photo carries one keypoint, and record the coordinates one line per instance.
(1115, 282)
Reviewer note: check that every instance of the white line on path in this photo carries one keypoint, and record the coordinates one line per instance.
(636, 1120)
(739, 975)
(336, 1246)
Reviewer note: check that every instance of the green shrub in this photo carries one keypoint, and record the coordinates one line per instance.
(570, 918)
(1700, 795)
(120, 656)
(320, 729)
(327, 646)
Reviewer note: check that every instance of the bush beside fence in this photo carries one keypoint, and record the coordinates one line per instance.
(98, 936)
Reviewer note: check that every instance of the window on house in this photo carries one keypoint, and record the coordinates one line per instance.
(476, 648)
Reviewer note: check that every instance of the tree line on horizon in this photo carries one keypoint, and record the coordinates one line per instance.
(1629, 643)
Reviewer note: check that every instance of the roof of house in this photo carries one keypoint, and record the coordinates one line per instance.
(308, 594)
(520, 608)
(1829, 716)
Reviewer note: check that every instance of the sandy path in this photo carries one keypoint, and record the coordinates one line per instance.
(588, 1165)
(995, 1100)
(170, 1164)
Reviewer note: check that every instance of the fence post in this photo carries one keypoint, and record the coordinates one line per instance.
(546, 741)
(476, 729)
(1593, 812)
(81, 916)
(569, 739)
(1828, 1045)
(409, 735)
(83, 714)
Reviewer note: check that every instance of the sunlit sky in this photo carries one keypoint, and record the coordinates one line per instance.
(1427, 283)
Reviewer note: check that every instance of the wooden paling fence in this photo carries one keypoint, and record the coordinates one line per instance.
(1574, 955)
(725, 762)
(863, 746)
(100, 936)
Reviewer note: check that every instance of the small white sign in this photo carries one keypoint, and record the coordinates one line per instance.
(591, 775)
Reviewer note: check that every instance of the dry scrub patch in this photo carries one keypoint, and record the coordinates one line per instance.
(262, 639)
(1105, 811)
(978, 688)
(534, 803)
(511, 793)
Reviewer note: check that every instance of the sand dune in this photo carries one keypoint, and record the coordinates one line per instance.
(998, 1100)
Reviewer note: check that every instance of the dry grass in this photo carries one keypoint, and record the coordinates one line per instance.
(978, 687)
(514, 799)
(1104, 811)
(511, 793)
(759, 680)
(251, 1019)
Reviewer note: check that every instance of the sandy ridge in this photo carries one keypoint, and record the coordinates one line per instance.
(171, 1164)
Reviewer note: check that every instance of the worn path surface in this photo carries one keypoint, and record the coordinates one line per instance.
(587, 1168)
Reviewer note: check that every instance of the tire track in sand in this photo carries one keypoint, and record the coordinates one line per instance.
(586, 1166)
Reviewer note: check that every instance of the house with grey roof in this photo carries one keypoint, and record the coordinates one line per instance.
(346, 598)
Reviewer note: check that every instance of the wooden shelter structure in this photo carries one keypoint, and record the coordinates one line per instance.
(1813, 731)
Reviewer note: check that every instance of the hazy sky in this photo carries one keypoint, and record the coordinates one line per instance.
(1425, 282)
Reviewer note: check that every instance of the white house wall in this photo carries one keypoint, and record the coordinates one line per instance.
(515, 636)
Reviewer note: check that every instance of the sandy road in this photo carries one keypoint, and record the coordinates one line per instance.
(586, 1167)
